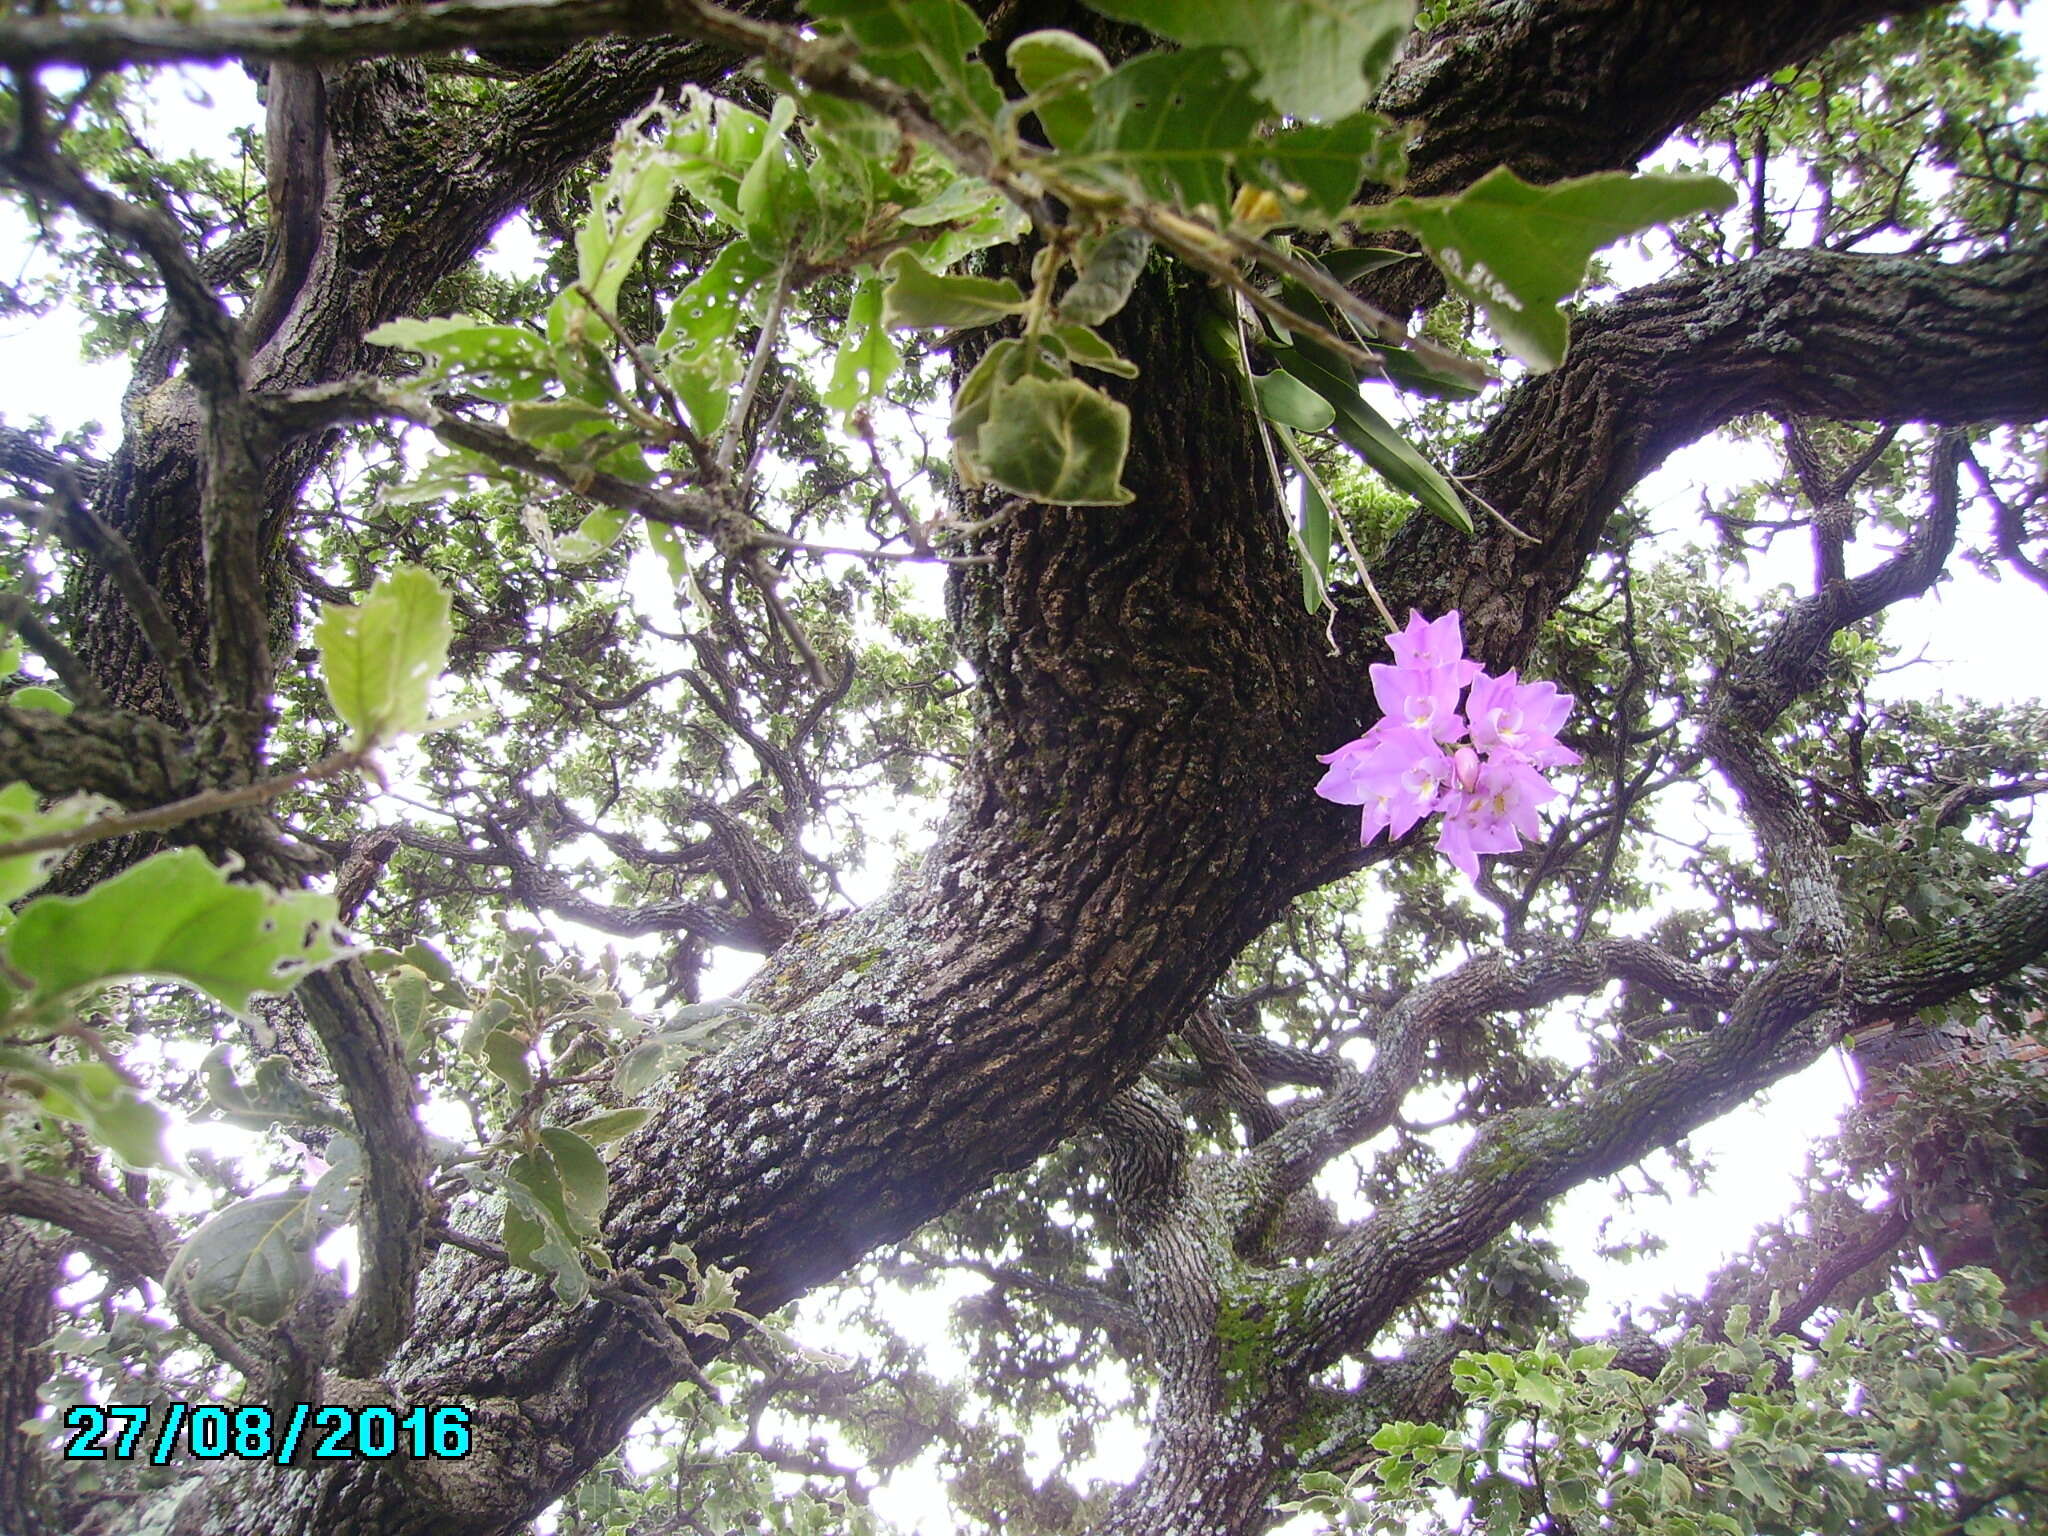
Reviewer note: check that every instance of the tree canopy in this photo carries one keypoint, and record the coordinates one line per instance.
(1028, 676)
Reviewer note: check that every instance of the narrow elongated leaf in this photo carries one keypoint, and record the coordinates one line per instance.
(1058, 441)
(1518, 251)
(382, 656)
(1348, 266)
(1285, 399)
(175, 915)
(1315, 58)
(1315, 545)
(1373, 438)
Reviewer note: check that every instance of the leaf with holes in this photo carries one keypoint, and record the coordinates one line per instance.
(1169, 126)
(178, 916)
(1054, 67)
(382, 656)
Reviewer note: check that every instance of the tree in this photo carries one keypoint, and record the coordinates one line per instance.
(1048, 1054)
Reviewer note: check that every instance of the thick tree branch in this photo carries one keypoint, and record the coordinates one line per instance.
(131, 1240)
(1488, 88)
(128, 759)
(1883, 338)
(1367, 1102)
(756, 932)
(1783, 1020)
(28, 465)
(329, 37)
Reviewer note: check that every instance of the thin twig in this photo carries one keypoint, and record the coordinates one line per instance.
(19, 614)
(764, 347)
(208, 802)
(91, 535)
(679, 424)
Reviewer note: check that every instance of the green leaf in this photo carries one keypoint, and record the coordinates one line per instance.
(1373, 438)
(1285, 399)
(1083, 346)
(1056, 440)
(626, 208)
(585, 1184)
(274, 1095)
(500, 362)
(382, 656)
(1315, 58)
(1170, 126)
(36, 697)
(1053, 66)
(920, 300)
(598, 532)
(611, 1124)
(1321, 164)
(1107, 274)
(540, 1228)
(253, 1260)
(927, 45)
(409, 998)
(866, 357)
(691, 1032)
(97, 1097)
(1347, 266)
(551, 423)
(22, 818)
(175, 915)
(1541, 1390)
(1518, 251)
(1003, 363)
(1315, 545)
(774, 198)
(505, 1054)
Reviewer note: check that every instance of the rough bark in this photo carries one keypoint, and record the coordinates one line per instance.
(1138, 807)
(31, 1269)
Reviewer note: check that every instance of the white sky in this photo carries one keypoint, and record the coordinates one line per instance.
(1973, 637)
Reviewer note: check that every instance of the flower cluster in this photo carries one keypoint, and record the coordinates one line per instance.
(1479, 765)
